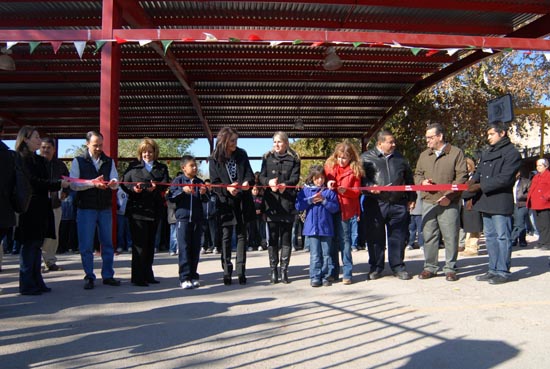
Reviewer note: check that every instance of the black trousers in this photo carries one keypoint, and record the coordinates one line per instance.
(143, 249)
(227, 235)
(542, 219)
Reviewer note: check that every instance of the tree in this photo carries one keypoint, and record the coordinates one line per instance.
(459, 103)
(127, 148)
(315, 147)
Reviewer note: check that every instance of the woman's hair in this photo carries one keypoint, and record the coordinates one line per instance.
(347, 147)
(24, 133)
(220, 150)
(314, 171)
(145, 144)
(470, 163)
(284, 137)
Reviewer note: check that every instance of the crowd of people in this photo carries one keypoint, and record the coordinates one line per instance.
(342, 206)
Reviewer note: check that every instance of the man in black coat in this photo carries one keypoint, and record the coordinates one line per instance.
(7, 181)
(495, 177)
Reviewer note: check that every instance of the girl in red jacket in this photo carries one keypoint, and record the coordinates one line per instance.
(344, 171)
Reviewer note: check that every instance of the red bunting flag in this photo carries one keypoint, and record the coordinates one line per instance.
(254, 38)
(120, 40)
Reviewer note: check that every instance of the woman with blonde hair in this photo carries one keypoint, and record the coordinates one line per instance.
(280, 169)
(344, 171)
(144, 208)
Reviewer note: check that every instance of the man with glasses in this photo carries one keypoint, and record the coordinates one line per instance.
(440, 163)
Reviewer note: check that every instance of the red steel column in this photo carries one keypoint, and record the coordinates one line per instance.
(110, 90)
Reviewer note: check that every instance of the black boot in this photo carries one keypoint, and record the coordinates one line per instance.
(285, 260)
(273, 253)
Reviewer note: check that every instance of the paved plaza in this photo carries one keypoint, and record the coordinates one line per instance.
(382, 324)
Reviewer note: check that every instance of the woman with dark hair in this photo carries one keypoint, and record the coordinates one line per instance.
(37, 223)
(144, 208)
(280, 168)
(229, 166)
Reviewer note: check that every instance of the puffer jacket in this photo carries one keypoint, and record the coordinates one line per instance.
(318, 220)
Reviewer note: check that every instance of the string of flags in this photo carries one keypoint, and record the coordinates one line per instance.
(208, 37)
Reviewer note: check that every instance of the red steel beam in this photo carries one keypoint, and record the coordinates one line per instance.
(436, 41)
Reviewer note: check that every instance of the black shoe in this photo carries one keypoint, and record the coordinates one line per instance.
(316, 284)
(375, 275)
(88, 284)
(227, 280)
(498, 279)
(111, 282)
(327, 283)
(403, 275)
(45, 289)
(153, 281)
(54, 268)
(284, 277)
(274, 276)
(242, 279)
(484, 277)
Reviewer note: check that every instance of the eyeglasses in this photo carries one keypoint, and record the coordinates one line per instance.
(429, 138)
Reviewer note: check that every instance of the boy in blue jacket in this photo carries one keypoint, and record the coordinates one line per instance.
(188, 193)
(319, 203)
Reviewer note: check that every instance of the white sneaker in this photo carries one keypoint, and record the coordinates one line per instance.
(187, 285)
(409, 247)
(195, 283)
(172, 253)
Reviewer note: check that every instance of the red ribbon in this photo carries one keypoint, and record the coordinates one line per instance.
(404, 188)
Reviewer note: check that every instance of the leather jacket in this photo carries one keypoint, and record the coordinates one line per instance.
(393, 170)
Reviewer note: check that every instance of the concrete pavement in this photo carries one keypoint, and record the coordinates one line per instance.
(387, 323)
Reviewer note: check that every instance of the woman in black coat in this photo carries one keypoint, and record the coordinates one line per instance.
(229, 167)
(144, 208)
(37, 222)
(280, 168)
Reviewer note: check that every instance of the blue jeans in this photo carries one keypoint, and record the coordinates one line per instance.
(87, 221)
(497, 229)
(30, 276)
(342, 237)
(354, 231)
(519, 231)
(124, 237)
(415, 226)
(173, 238)
(320, 260)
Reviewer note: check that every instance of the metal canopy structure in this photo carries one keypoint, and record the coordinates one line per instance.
(258, 66)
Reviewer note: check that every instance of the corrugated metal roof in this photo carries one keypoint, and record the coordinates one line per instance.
(253, 86)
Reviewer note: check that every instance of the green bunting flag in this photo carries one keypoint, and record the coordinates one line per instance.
(166, 44)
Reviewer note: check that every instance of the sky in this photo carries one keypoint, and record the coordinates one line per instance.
(253, 146)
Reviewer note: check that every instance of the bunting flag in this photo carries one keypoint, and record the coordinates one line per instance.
(431, 52)
(56, 45)
(165, 45)
(451, 52)
(210, 37)
(33, 45)
(98, 46)
(80, 46)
